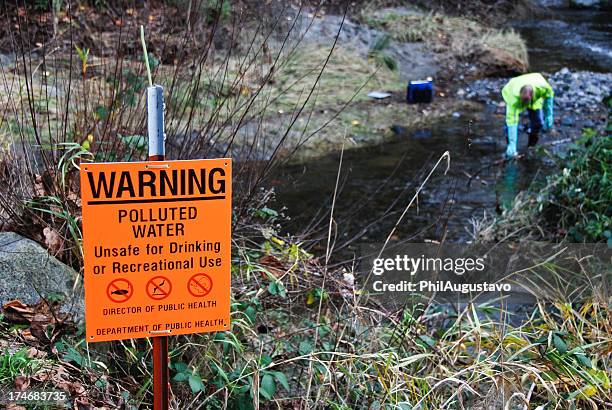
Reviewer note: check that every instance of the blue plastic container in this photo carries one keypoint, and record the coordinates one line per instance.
(420, 92)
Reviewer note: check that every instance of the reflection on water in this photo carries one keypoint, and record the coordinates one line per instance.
(381, 180)
(578, 39)
(509, 185)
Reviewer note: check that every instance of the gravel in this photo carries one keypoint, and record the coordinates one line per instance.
(577, 91)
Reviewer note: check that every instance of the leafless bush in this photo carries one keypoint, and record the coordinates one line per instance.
(73, 88)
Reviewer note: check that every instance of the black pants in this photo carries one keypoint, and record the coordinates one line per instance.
(536, 122)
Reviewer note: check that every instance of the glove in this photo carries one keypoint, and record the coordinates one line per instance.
(512, 141)
(548, 113)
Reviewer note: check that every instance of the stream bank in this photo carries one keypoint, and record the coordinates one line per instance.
(376, 182)
(373, 49)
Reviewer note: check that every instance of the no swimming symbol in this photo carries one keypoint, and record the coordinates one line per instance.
(159, 287)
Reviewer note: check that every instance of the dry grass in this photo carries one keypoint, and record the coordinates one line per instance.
(423, 356)
(463, 38)
(343, 81)
(517, 221)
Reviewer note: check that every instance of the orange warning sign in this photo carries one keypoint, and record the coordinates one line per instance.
(156, 242)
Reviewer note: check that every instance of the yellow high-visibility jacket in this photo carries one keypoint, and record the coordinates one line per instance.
(512, 95)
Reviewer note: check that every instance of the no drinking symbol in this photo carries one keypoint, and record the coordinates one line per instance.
(159, 287)
(199, 285)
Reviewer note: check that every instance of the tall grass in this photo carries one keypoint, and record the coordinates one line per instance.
(292, 329)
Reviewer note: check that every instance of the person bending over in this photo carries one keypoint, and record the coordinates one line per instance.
(529, 92)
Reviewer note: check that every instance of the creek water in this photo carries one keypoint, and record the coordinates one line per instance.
(578, 39)
(376, 183)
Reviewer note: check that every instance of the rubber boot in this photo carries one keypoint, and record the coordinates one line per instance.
(511, 151)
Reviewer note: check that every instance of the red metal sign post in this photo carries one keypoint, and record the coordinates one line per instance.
(161, 376)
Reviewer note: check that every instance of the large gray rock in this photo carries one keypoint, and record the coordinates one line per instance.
(27, 272)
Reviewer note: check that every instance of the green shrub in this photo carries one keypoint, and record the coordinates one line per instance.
(574, 203)
(580, 197)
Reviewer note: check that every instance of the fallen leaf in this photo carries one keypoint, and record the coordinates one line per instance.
(40, 317)
(76, 389)
(59, 377)
(272, 265)
(27, 336)
(22, 383)
(43, 375)
(17, 312)
(82, 403)
(53, 240)
(34, 353)
(39, 323)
